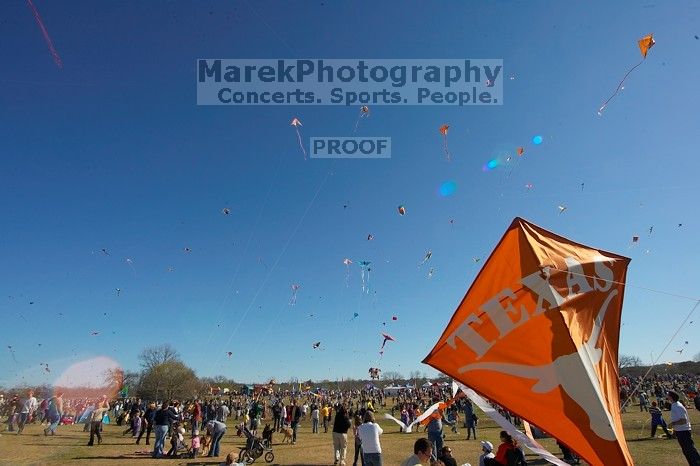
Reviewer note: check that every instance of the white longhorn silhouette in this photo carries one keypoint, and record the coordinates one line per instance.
(574, 372)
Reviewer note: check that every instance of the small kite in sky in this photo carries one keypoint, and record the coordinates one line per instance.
(645, 43)
(293, 299)
(229, 353)
(297, 123)
(370, 237)
(651, 228)
(402, 210)
(347, 263)
(12, 352)
(355, 315)
(225, 211)
(520, 151)
(680, 225)
(118, 290)
(104, 251)
(316, 345)
(394, 318)
(529, 186)
(431, 272)
(562, 208)
(364, 267)
(426, 258)
(443, 131)
(364, 112)
(635, 239)
(386, 337)
(187, 249)
(94, 334)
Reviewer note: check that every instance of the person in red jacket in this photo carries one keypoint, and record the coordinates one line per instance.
(196, 416)
(501, 459)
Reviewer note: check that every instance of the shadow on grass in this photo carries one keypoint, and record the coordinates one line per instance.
(646, 439)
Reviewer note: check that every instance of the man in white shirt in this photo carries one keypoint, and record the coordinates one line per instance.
(681, 427)
(369, 433)
(28, 408)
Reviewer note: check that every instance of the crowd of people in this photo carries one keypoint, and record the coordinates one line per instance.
(196, 427)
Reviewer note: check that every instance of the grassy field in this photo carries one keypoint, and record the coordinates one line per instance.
(69, 446)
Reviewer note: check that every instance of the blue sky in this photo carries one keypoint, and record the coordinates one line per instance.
(113, 152)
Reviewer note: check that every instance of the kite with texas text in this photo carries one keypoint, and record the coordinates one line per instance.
(566, 299)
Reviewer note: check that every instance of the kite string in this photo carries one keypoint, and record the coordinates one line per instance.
(49, 43)
(619, 87)
(279, 257)
(245, 249)
(668, 343)
(667, 293)
(670, 340)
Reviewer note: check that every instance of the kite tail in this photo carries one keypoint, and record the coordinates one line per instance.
(301, 145)
(49, 43)
(447, 150)
(619, 87)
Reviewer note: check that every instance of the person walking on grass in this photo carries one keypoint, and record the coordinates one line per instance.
(29, 407)
(148, 420)
(54, 412)
(681, 427)
(369, 433)
(96, 421)
(162, 420)
(341, 424)
(657, 420)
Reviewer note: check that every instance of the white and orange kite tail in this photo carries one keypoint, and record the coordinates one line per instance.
(538, 333)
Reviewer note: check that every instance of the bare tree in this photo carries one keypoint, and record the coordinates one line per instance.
(392, 375)
(625, 361)
(152, 356)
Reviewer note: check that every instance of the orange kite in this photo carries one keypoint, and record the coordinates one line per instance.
(538, 333)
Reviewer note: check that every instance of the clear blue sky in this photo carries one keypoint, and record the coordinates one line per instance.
(112, 152)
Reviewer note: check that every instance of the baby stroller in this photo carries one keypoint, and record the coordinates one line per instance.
(255, 447)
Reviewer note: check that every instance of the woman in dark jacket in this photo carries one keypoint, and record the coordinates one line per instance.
(341, 424)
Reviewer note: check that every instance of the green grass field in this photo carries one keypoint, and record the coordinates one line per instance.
(69, 446)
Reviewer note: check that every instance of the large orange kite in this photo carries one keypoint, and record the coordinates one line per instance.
(538, 333)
